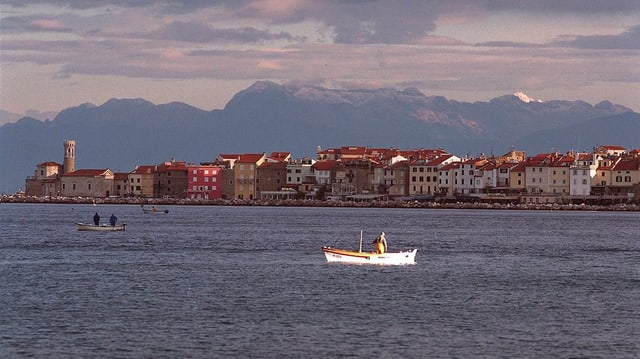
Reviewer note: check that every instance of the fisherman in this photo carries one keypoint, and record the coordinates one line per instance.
(380, 243)
(113, 219)
(96, 219)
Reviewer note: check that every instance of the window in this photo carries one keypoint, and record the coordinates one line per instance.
(627, 178)
(195, 179)
(195, 172)
(618, 178)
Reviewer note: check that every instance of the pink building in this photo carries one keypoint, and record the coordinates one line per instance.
(204, 181)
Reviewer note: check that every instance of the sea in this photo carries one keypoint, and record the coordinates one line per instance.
(252, 282)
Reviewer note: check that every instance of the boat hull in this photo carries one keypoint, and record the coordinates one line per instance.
(101, 228)
(347, 256)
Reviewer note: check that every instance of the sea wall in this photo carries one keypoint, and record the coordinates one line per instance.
(316, 203)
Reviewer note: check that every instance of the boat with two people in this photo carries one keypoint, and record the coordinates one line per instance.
(380, 256)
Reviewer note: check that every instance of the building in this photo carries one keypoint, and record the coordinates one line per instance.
(271, 179)
(121, 186)
(170, 180)
(87, 183)
(396, 179)
(448, 179)
(245, 172)
(141, 181)
(300, 175)
(204, 181)
(45, 181)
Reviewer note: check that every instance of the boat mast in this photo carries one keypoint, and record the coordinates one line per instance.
(360, 250)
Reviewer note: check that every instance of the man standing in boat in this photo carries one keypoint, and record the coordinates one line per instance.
(96, 219)
(113, 220)
(380, 243)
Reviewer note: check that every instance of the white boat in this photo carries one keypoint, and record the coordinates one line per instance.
(100, 228)
(360, 257)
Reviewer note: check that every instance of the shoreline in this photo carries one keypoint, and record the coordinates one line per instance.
(621, 207)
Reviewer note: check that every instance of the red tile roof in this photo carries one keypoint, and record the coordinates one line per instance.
(144, 169)
(325, 165)
(87, 173)
(250, 157)
(450, 166)
(630, 164)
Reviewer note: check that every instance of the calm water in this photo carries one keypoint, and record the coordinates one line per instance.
(205, 282)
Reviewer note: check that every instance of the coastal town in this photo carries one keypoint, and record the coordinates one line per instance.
(610, 174)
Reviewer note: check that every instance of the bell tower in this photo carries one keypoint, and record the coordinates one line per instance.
(69, 156)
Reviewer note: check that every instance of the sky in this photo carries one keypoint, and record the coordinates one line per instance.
(56, 54)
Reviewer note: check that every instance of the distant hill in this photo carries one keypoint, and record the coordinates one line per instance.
(266, 117)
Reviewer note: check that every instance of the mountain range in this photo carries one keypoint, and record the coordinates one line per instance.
(267, 117)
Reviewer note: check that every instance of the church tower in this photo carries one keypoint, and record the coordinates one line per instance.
(69, 156)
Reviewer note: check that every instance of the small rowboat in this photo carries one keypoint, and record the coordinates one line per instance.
(100, 228)
(360, 257)
(159, 211)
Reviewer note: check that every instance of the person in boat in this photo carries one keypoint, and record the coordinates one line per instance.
(113, 219)
(381, 243)
(96, 219)
(154, 209)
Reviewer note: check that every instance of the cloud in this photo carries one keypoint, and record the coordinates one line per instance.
(21, 24)
(194, 31)
(629, 40)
